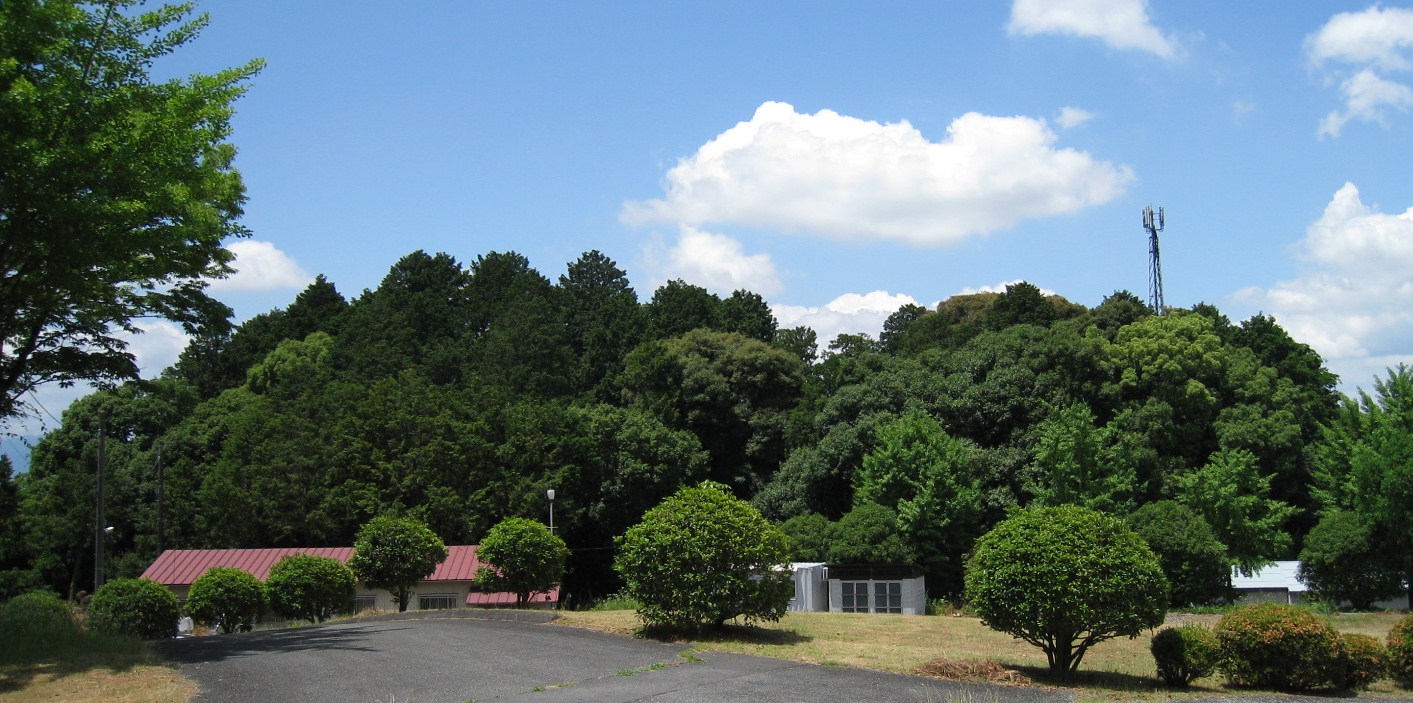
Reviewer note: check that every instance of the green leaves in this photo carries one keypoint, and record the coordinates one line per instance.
(1065, 578)
(395, 553)
(226, 598)
(522, 557)
(703, 557)
(115, 192)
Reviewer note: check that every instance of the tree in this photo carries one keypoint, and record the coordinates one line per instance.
(1063, 579)
(1074, 469)
(309, 587)
(868, 534)
(1365, 463)
(227, 598)
(394, 554)
(810, 535)
(1342, 560)
(1230, 493)
(602, 320)
(679, 307)
(522, 557)
(916, 469)
(731, 391)
(705, 557)
(115, 191)
(1193, 559)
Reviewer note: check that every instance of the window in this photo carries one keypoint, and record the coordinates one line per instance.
(887, 596)
(436, 601)
(362, 603)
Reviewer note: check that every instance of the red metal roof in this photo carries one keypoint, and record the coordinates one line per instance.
(483, 599)
(180, 567)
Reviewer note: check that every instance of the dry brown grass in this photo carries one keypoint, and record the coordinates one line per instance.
(95, 681)
(1116, 669)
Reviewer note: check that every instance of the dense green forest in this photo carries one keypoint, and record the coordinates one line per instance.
(458, 394)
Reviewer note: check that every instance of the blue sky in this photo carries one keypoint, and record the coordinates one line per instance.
(839, 159)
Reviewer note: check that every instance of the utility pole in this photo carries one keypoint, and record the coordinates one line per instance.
(160, 543)
(99, 533)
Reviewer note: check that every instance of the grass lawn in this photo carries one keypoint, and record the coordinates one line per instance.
(1116, 669)
(46, 661)
(98, 678)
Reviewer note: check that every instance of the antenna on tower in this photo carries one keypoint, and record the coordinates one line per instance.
(1154, 225)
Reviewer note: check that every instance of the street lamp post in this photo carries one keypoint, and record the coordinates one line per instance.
(549, 495)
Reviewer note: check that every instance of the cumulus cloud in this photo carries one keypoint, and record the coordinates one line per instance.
(261, 266)
(1377, 37)
(1357, 50)
(1366, 98)
(1354, 301)
(157, 347)
(1122, 24)
(845, 177)
(850, 313)
(1071, 117)
(715, 262)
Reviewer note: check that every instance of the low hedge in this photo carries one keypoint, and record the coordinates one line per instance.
(1280, 647)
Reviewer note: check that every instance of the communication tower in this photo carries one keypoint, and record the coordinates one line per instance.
(1154, 225)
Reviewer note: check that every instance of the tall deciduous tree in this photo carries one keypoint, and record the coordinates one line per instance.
(916, 469)
(115, 191)
(1232, 495)
(1365, 462)
(1076, 469)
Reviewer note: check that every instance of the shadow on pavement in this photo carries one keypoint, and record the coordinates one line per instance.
(196, 650)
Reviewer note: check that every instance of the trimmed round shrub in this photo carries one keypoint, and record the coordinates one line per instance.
(702, 557)
(1193, 559)
(226, 598)
(140, 607)
(308, 587)
(1362, 659)
(1184, 654)
(1280, 647)
(37, 621)
(1064, 578)
(1400, 653)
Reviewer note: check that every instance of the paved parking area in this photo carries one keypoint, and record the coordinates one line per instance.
(455, 660)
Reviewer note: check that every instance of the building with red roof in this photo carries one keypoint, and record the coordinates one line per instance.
(450, 586)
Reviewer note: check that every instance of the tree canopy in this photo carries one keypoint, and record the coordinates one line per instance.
(457, 393)
(116, 191)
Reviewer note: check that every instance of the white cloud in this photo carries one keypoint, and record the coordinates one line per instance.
(1001, 288)
(154, 349)
(715, 262)
(1378, 36)
(158, 347)
(844, 177)
(1122, 24)
(850, 313)
(1366, 96)
(1366, 46)
(1071, 117)
(260, 266)
(1354, 302)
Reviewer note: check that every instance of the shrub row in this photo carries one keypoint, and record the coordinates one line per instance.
(306, 587)
(1284, 648)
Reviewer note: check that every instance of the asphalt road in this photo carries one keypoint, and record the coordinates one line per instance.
(455, 660)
